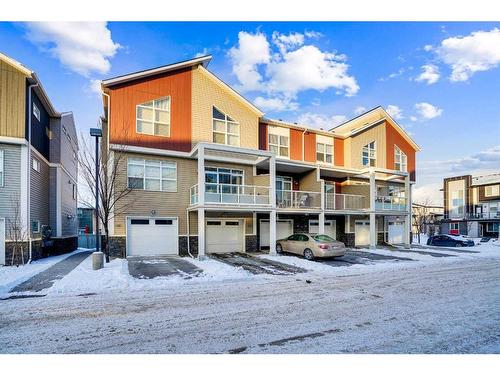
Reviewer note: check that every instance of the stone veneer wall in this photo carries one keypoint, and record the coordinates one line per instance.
(61, 246)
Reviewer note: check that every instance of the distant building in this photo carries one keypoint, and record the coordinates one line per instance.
(85, 219)
(427, 218)
(472, 205)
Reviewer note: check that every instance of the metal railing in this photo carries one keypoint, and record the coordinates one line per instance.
(334, 201)
(477, 216)
(390, 203)
(229, 194)
(86, 241)
(298, 199)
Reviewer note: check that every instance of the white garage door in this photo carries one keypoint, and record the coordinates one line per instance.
(152, 236)
(225, 236)
(2, 241)
(284, 228)
(362, 233)
(330, 227)
(395, 231)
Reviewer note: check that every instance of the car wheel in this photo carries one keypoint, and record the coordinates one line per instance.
(458, 245)
(279, 249)
(308, 254)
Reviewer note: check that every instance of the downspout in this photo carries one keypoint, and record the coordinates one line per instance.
(28, 208)
(188, 232)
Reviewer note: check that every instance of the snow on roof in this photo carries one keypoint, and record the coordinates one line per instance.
(486, 179)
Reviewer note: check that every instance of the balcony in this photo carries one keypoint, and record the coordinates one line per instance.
(475, 216)
(230, 194)
(390, 203)
(345, 202)
(298, 199)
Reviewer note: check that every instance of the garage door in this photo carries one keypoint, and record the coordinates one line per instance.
(330, 229)
(362, 233)
(395, 230)
(225, 236)
(152, 236)
(284, 228)
(2, 241)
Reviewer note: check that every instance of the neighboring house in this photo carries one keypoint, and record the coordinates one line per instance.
(38, 165)
(427, 218)
(210, 174)
(85, 219)
(472, 205)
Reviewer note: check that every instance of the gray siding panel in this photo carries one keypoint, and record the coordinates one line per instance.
(12, 180)
(53, 199)
(39, 193)
(69, 226)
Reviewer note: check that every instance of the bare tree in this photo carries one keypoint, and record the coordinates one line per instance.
(17, 231)
(421, 215)
(112, 191)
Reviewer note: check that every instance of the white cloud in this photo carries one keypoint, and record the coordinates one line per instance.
(288, 66)
(429, 193)
(204, 52)
(394, 111)
(359, 110)
(252, 50)
(95, 86)
(276, 104)
(430, 74)
(428, 47)
(428, 111)
(476, 52)
(83, 47)
(413, 118)
(321, 121)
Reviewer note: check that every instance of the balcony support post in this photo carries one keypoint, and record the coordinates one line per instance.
(272, 232)
(201, 233)
(373, 231)
(373, 190)
(272, 181)
(321, 223)
(407, 224)
(201, 175)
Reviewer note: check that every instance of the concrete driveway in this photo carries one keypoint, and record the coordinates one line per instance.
(161, 266)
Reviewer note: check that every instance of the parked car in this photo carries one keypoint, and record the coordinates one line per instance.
(311, 245)
(449, 241)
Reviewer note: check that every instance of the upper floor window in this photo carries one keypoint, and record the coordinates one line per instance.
(1, 167)
(152, 175)
(223, 180)
(457, 202)
(324, 153)
(153, 117)
(225, 130)
(369, 154)
(492, 191)
(399, 160)
(35, 164)
(279, 141)
(36, 112)
(35, 226)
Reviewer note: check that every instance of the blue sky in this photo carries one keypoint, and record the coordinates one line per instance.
(338, 68)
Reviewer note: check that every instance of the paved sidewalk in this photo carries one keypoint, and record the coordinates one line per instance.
(47, 278)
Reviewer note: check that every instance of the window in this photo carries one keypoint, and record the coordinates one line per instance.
(457, 202)
(454, 227)
(163, 222)
(152, 175)
(492, 227)
(1, 167)
(153, 117)
(36, 112)
(35, 164)
(324, 153)
(278, 141)
(369, 155)
(492, 191)
(35, 226)
(225, 130)
(221, 180)
(399, 159)
(139, 222)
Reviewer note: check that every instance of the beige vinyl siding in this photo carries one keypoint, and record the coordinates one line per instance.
(358, 189)
(12, 101)
(377, 134)
(309, 182)
(262, 180)
(166, 204)
(247, 216)
(39, 192)
(207, 92)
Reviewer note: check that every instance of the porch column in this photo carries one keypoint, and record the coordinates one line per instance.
(272, 181)
(373, 190)
(201, 233)
(407, 223)
(321, 223)
(201, 175)
(272, 232)
(373, 231)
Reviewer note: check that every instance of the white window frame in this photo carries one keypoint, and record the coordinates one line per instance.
(75, 192)
(371, 154)
(400, 160)
(37, 226)
(167, 164)
(2, 167)
(35, 164)
(281, 136)
(153, 120)
(225, 187)
(493, 190)
(453, 225)
(36, 112)
(227, 120)
(324, 152)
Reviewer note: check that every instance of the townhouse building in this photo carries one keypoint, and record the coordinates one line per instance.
(472, 205)
(38, 167)
(210, 173)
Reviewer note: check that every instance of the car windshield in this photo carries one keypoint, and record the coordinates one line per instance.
(323, 238)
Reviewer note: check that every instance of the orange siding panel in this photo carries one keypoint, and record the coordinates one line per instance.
(295, 144)
(125, 98)
(338, 149)
(394, 138)
(310, 147)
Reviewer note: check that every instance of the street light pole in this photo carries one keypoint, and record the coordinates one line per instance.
(97, 133)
